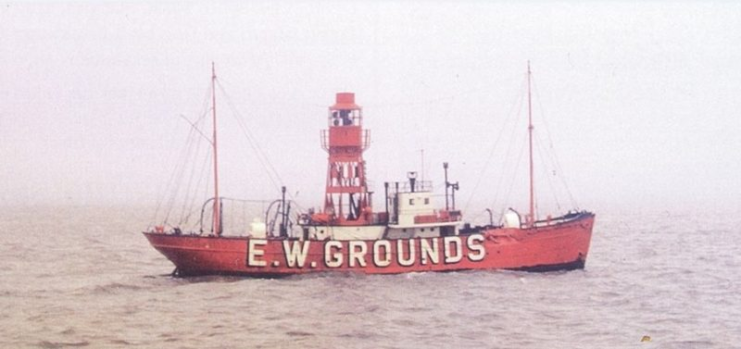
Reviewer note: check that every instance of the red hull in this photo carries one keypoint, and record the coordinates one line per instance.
(561, 246)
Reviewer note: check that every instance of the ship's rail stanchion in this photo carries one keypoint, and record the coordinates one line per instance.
(237, 215)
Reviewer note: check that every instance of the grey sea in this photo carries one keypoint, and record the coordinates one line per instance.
(86, 277)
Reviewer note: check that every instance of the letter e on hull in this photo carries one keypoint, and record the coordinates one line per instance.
(254, 250)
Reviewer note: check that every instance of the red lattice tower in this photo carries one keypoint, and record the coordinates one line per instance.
(347, 200)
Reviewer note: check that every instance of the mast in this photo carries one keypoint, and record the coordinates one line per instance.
(531, 220)
(217, 201)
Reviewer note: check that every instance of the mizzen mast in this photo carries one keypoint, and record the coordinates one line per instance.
(531, 217)
(217, 202)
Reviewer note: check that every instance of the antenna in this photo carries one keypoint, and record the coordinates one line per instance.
(447, 184)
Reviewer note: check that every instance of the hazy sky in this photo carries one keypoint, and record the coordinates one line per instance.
(641, 101)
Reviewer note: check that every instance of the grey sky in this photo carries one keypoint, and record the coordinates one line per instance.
(640, 99)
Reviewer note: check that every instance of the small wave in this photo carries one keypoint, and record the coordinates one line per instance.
(610, 294)
(487, 317)
(299, 334)
(371, 309)
(56, 345)
(170, 337)
(114, 288)
(358, 335)
(405, 322)
(691, 344)
(221, 297)
(416, 309)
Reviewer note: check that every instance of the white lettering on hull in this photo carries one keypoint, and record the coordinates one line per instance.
(358, 249)
(355, 254)
(430, 253)
(409, 261)
(385, 260)
(253, 252)
(476, 251)
(455, 255)
(333, 254)
(296, 252)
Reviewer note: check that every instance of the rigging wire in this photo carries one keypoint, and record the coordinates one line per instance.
(163, 197)
(544, 171)
(554, 156)
(171, 180)
(204, 173)
(262, 158)
(184, 184)
(193, 140)
(516, 102)
(188, 191)
(189, 202)
(516, 170)
(178, 169)
(270, 170)
(512, 141)
(192, 144)
(193, 154)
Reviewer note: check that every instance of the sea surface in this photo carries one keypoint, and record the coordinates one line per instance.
(74, 277)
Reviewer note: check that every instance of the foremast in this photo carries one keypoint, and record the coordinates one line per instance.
(216, 222)
(531, 216)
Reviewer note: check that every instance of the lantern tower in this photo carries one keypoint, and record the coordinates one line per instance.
(347, 200)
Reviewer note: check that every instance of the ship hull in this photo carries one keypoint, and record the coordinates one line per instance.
(561, 246)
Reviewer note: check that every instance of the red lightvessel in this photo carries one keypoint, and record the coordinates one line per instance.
(347, 235)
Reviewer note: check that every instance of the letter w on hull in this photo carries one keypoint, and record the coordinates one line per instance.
(296, 252)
